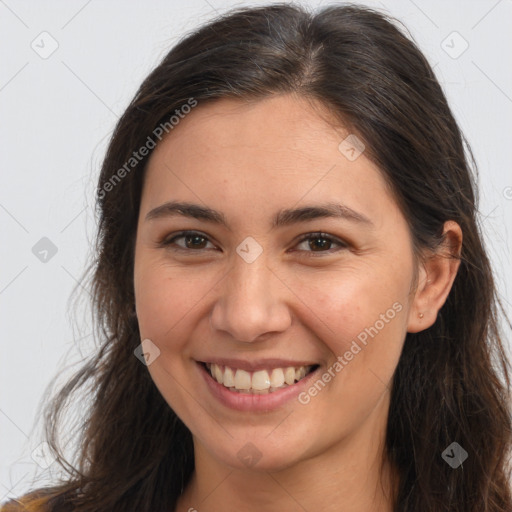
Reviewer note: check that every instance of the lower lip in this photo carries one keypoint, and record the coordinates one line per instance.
(255, 402)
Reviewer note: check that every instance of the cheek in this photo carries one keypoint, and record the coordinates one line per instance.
(162, 298)
(354, 304)
(166, 300)
(360, 318)
(169, 300)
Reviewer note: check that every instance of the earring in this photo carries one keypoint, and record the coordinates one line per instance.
(421, 315)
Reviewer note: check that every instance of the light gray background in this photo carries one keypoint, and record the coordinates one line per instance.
(58, 112)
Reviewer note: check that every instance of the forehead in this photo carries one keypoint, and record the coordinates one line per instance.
(275, 150)
(277, 123)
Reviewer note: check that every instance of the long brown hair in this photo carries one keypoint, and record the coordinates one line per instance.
(452, 381)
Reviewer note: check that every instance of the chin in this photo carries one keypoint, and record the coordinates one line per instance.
(257, 454)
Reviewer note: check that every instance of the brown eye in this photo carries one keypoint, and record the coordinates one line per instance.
(312, 242)
(321, 242)
(191, 240)
(194, 241)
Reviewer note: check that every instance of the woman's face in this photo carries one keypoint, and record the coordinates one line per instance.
(251, 297)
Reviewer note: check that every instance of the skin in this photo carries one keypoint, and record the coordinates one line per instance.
(249, 160)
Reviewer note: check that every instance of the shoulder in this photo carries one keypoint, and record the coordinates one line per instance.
(21, 504)
(34, 501)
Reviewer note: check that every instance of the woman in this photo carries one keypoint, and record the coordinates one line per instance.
(298, 312)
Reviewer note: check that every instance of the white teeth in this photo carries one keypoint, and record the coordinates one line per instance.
(242, 379)
(258, 382)
(300, 373)
(289, 375)
(277, 378)
(217, 373)
(229, 377)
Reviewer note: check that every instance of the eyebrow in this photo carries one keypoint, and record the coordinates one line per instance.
(284, 217)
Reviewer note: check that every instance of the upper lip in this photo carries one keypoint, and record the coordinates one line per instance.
(257, 364)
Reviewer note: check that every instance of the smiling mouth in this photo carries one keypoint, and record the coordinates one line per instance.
(259, 382)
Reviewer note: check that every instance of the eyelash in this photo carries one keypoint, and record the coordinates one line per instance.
(309, 236)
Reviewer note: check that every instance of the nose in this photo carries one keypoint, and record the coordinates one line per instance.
(251, 302)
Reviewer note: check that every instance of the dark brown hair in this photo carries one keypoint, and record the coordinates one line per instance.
(452, 380)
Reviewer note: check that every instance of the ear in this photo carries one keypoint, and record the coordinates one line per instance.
(435, 279)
